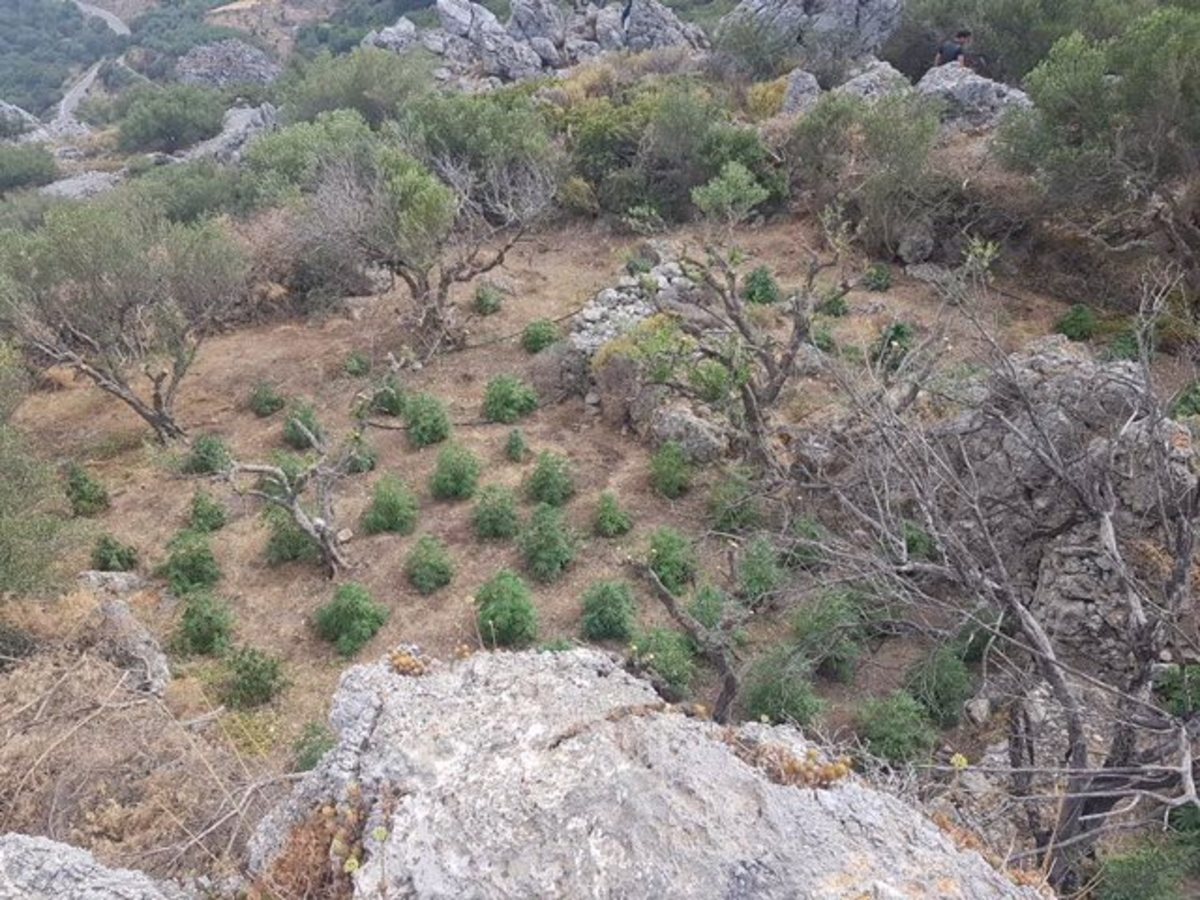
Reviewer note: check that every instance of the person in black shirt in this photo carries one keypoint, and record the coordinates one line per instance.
(954, 50)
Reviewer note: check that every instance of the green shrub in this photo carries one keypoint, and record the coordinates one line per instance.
(209, 455)
(608, 611)
(669, 655)
(918, 543)
(377, 84)
(831, 633)
(389, 398)
(551, 481)
(538, 335)
(672, 559)
(350, 619)
(670, 471)
(506, 615)
(88, 496)
(34, 533)
(171, 118)
(1079, 324)
(779, 689)
(1124, 345)
(711, 380)
(425, 420)
(190, 565)
(286, 541)
(731, 196)
(547, 544)
(759, 573)
(893, 345)
(507, 399)
(1153, 872)
(393, 508)
(254, 678)
(456, 474)
(1179, 689)
(360, 456)
(708, 605)
(357, 365)
(822, 339)
(495, 516)
(942, 684)
(25, 165)
(207, 513)
(265, 400)
(806, 549)
(301, 426)
(428, 566)
(895, 728)
(206, 626)
(878, 278)
(314, 742)
(733, 502)
(1187, 403)
(610, 520)
(110, 555)
(834, 305)
(515, 448)
(761, 287)
(488, 299)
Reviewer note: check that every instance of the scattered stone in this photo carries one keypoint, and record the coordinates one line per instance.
(116, 583)
(968, 100)
(917, 241)
(978, 710)
(803, 92)
(37, 867)
(481, 779)
(226, 63)
(345, 536)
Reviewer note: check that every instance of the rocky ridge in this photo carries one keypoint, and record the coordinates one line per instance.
(225, 63)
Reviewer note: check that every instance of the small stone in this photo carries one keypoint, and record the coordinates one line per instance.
(978, 710)
(345, 536)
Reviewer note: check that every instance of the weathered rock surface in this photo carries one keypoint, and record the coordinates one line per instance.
(397, 38)
(225, 63)
(873, 81)
(37, 868)
(651, 26)
(561, 775)
(83, 185)
(849, 27)
(803, 92)
(126, 642)
(968, 100)
(15, 121)
(239, 128)
(499, 52)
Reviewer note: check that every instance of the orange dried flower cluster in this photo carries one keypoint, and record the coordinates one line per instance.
(782, 766)
(405, 662)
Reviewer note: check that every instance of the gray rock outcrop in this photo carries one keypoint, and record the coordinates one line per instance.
(874, 80)
(127, 643)
(651, 26)
(397, 38)
(225, 63)
(15, 122)
(560, 775)
(239, 128)
(849, 28)
(803, 92)
(968, 100)
(37, 868)
(83, 185)
(499, 52)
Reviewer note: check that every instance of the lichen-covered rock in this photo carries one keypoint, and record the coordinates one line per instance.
(968, 100)
(803, 92)
(873, 81)
(225, 63)
(560, 775)
(651, 26)
(700, 439)
(848, 27)
(239, 128)
(83, 185)
(397, 38)
(558, 372)
(127, 643)
(537, 19)
(498, 52)
(37, 868)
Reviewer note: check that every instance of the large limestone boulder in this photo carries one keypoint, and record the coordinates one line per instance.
(651, 26)
(239, 128)
(397, 38)
(499, 52)
(83, 185)
(225, 63)
(37, 868)
(803, 92)
(543, 774)
(532, 19)
(968, 100)
(874, 80)
(848, 27)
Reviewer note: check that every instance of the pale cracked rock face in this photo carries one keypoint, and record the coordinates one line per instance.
(559, 775)
(36, 868)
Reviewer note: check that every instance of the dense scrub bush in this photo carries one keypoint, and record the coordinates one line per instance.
(506, 614)
(25, 165)
(357, 365)
(426, 420)
(254, 678)
(190, 564)
(538, 335)
(350, 619)
(548, 544)
(265, 400)
(733, 502)
(286, 541)
(515, 448)
(389, 398)
(759, 53)
(206, 626)
(779, 689)
(294, 157)
(301, 426)
(429, 567)
(610, 520)
(88, 497)
(488, 299)
(878, 278)
(393, 508)
(761, 287)
(805, 549)
(495, 516)
(208, 455)
(711, 380)
(32, 524)
(708, 605)
(669, 655)
(456, 474)
(670, 471)
(375, 83)
(759, 573)
(310, 748)
(1188, 402)
(942, 684)
(896, 729)
(360, 457)
(918, 543)
(551, 480)
(831, 632)
(344, 30)
(730, 197)
(608, 611)
(507, 399)
(672, 559)
(193, 191)
(834, 305)
(206, 514)
(171, 118)
(1079, 324)
(110, 555)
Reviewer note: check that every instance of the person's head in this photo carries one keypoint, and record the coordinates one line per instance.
(963, 36)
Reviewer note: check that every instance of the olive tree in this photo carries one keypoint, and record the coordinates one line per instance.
(121, 296)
